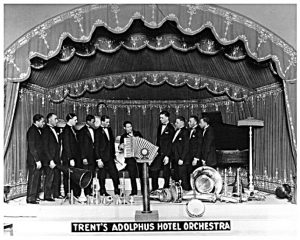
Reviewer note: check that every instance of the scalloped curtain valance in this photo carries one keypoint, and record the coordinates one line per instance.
(45, 40)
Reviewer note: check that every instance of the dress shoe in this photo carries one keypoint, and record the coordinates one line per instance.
(32, 202)
(49, 199)
(105, 194)
(133, 194)
(59, 197)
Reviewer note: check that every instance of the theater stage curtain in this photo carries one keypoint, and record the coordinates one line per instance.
(272, 148)
(10, 102)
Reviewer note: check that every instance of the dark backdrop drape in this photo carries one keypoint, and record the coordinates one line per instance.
(273, 151)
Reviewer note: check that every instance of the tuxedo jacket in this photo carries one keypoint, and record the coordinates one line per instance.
(164, 142)
(51, 147)
(34, 145)
(180, 147)
(195, 143)
(70, 146)
(87, 146)
(209, 147)
(104, 148)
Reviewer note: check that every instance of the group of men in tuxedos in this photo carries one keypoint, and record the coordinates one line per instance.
(89, 148)
(181, 150)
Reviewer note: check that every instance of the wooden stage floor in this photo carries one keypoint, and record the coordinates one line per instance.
(273, 217)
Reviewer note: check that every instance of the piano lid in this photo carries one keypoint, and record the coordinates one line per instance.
(227, 136)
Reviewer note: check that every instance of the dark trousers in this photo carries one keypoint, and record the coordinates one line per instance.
(109, 167)
(154, 174)
(34, 181)
(181, 172)
(135, 170)
(88, 190)
(52, 182)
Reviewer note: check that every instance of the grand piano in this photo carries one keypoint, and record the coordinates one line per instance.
(232, 142)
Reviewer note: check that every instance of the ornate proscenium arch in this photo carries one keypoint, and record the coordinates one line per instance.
(46, 42)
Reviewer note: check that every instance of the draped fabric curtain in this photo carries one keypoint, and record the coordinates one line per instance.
(290, 90)
(272, 148)
(10, 101)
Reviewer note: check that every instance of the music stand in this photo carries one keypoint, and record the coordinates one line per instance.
(250, 122)
(146, 215)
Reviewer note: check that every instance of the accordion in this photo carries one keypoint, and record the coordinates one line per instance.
(139, 148)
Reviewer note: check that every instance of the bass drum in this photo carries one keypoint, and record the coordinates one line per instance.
(176, 192)
(195, 208)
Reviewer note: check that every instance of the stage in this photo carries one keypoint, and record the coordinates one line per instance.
(272, 217)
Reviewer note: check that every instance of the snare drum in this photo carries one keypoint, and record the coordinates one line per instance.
(195, 208)
(176, 192)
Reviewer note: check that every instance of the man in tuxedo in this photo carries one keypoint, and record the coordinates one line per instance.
(208, 152)
(34, 156)
(70, 152)
(165, 134)
(180, 153)
(105, 154)
(195, 143)
(86, 137)
(134, 169)
(51, 158)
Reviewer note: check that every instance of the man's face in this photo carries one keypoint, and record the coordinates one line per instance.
(53, 120)
(192, 122)
(128, 128)
(202, 123)
(91, 123)
(179, 123)
(163, 119)
(41, 123)
(73, 121)
(106, 122)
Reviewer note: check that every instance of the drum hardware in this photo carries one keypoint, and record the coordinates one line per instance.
(176, 191)
(108, 200)
(81, 177)
(122, 188)
(82, 198)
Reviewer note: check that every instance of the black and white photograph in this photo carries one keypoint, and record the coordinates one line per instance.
(149, 119)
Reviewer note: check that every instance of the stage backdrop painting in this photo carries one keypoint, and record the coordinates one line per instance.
(82, 60)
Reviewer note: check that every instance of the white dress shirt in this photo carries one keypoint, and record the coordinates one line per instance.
(176, 134)
(54, 132)
(91, 132)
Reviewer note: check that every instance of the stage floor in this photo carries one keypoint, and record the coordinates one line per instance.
(272, 217)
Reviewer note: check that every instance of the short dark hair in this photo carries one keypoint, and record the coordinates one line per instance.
(89, 118)
(49, 116)
(127, 122)
(37, 117)
(164, 112)
(205, 119)
(195, 117)
(104, 117)
(70, 116)
(181, 118)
